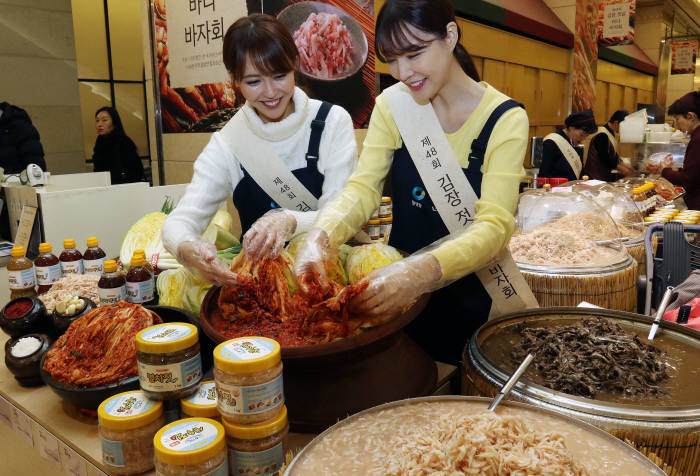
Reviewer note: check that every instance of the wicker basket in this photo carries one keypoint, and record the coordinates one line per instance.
(612, 287)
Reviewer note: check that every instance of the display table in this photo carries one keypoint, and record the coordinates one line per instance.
(53, 433)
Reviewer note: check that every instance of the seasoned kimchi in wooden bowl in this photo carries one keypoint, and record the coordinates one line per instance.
(362, 332)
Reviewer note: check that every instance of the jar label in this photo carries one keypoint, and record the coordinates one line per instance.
(112, 453)
(111, 295)
(46, 275)
(21, 279)
(256, 462)
(139, 292)
(220, 471)
(205, 395)
(128, 405)
(94, 266)
(247, 349)
(72, 267)
(167, 333)
(249, 400)
(167, 377)
(189, 436)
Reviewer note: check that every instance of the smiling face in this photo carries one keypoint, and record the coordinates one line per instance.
(103, 123)
(269, 94)
(425, 70)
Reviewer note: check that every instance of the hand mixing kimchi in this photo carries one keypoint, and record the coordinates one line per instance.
(98, 348)
(265, 303)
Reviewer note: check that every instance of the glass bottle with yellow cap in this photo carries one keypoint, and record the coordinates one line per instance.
(259, 448)
(112, 284)
(191, 447)
(20, 274)
(248, 374)
(94, 256)
(70, 258)
(47, 268)
(169, 363)
(127, 423)
(140, 287)
(202, 403)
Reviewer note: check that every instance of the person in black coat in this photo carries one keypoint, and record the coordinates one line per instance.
(577, 127)
(19, 140)
(114, 151)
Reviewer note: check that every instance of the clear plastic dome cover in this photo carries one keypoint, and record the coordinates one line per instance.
(617, 201)
(565, 229)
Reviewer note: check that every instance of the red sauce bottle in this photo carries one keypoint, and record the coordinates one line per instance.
(94, 257)
(71, 259)
(112, 285)
(47, 268)
(140, 288)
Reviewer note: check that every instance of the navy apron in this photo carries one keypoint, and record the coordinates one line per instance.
(456, 311)
(252, 201)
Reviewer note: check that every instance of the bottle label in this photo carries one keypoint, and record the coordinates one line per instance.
(168, 377)
(139, 292)
(112, 453)
(72, 267)
(128, 405)
(111, 295)
(205, 396)
(247, 349)
(249, 400)
(21, 279)
(264, 462)
(94, 266)
(47, 275)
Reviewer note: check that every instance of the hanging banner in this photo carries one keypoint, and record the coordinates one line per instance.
(616, 22)
(196, 94)
(683, 54)
(585, 55)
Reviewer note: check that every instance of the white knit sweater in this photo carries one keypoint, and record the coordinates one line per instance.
(217, 171)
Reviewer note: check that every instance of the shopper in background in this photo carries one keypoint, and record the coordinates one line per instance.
(601, 160)
(273, 135)
(419, 39)
(19, 140)
(560, 157)
(685, 112)
(114, 151)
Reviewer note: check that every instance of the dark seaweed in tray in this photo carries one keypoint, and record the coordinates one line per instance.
(593, 356)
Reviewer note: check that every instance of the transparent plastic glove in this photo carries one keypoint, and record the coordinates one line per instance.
(395, 286)
(309, 267)
(269, 233)
(200, 258)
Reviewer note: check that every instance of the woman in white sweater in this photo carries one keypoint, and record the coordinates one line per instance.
(282, 156)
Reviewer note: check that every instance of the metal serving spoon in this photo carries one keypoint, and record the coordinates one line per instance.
(505, 390)
(660, 312)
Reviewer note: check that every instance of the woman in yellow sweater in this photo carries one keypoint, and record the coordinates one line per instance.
(476, 131)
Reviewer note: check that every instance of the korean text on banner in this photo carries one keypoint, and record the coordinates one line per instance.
(683, 55)
(196, 30)
(616, 22)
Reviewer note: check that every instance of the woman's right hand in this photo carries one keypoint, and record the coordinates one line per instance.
(200, 258)
(309, 265)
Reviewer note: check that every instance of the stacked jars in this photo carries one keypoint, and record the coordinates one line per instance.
(250, 398)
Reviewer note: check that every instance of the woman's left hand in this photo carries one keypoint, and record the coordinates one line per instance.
(393, 287)
(269, 233)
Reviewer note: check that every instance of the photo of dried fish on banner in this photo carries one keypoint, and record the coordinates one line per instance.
(196, 108)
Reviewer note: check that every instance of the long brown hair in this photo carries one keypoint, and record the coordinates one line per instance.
(263, 39)
(430, 16)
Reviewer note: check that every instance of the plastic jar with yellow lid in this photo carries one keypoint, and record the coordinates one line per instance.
(127, 423)
(202, 403)
(169, 363)
(258, 448)
(191, 447)
(248, 374)
(385, 208)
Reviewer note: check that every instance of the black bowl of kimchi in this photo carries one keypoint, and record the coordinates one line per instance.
(90, 397)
